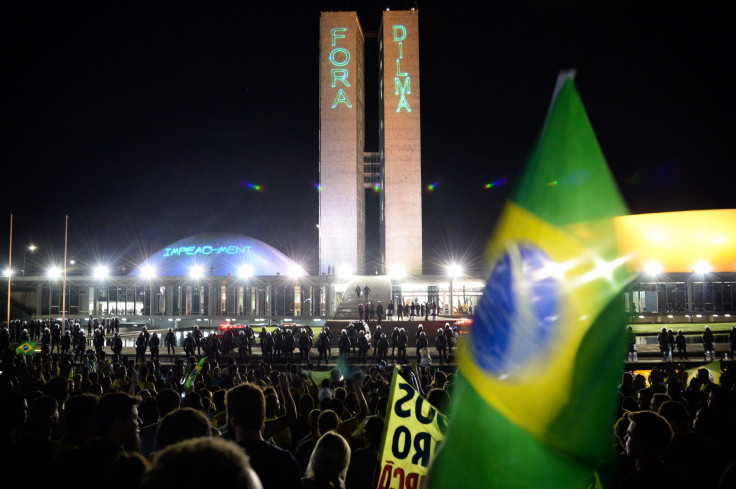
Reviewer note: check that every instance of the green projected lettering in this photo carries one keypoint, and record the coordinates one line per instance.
(399, 33)
(339, 57)
(339, 75)
(337, 33)
(401, 88)
(341, 98)
(345, 56)
(398, 67)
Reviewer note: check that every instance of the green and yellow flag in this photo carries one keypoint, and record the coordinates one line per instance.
(411, 432)
(26, 348)
(713, 368)
(535, 398)
(193, 374)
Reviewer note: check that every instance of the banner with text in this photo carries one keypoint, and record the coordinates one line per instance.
(412, 431)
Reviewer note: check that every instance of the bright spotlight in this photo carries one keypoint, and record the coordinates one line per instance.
(245, 271)
(7, 272)
(148, 271)
(652, 268)
(397, 270)
(196, 271)
(702, 267)
(296, 271)
(454, 270)
(101, 272)
(344, 271)
(53, 272)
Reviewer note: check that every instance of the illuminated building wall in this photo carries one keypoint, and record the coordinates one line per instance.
(342, 126)
(400, 140)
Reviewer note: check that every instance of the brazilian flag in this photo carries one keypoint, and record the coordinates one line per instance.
(193, 374)
(26, 348)
(536, 394)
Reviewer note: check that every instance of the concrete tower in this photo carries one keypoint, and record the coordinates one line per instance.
(400, 141)
(342, 140)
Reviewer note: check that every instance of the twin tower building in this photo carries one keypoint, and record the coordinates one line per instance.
(343, 160)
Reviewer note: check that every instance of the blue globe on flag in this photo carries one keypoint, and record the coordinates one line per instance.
(518, 311)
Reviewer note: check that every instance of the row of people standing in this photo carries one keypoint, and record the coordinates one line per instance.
(668, 341)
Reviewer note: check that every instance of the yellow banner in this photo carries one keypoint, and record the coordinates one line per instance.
(412, 430)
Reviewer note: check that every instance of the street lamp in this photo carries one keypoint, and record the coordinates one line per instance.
(31, 248)
(148, 272)
(245, 272)
(453, 270)
(294, 272)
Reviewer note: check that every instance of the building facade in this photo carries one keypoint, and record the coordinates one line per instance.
(343, 158)
(400, 141)
(341, 143)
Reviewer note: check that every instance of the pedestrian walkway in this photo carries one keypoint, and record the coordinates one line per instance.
(380, 290)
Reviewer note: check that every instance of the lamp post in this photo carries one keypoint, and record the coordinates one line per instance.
(31, 248)
(245, 273)
(148, 272)
(453, 270)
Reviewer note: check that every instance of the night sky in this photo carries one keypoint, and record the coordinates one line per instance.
(146, 122)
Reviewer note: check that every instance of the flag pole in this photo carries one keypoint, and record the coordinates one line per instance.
(63, 289)
(10, 258)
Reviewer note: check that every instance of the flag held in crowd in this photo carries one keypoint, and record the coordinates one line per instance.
(412, 430)
(26, 348)
(193, 374)
(535, 396)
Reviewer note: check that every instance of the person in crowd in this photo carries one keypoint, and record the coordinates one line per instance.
(246, 412)
(117, 428)
(647, 437)
(216, 459)
(681, 343)
(328, 464)
(181, 424)
(170, 342)
(154, 344)
(709, 351)
(364, 461)
(689, 451)
(328, 420)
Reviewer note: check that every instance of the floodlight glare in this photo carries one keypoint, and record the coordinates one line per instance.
(148, 271)
(652, 268)
(245, 271)
(702, 267)
(296, 271)
(454, 270)
(196, 271)
(101, 272)
(344, 271)
(7, 272)
(54, 272)
(397, 270)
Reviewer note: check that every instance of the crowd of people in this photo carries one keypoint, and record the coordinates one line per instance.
(676, 432)
(134, 422)
(668, 342)
(278, 345)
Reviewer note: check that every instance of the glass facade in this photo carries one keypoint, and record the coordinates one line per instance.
(680, 297)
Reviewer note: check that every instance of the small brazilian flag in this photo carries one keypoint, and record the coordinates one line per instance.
(193, 374)
(536, 394)
(26, 348)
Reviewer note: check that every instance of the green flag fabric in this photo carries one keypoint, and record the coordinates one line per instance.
(535, 397)
(26, 348)
(193, 374)
(713, 368)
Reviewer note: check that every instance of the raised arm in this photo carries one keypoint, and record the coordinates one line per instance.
(277, 425)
